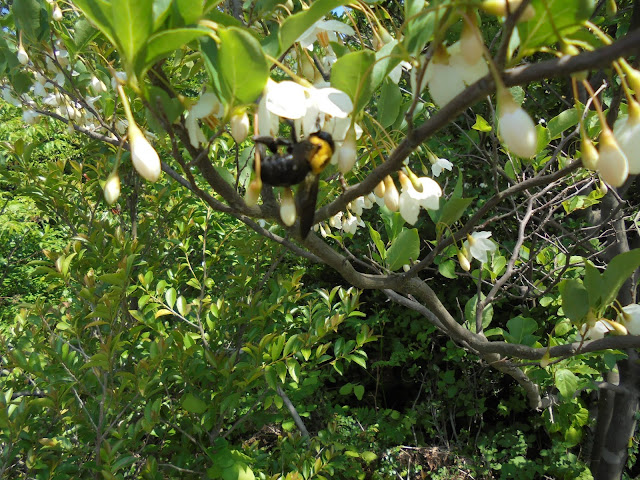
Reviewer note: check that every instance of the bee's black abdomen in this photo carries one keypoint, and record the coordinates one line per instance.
(283, 170)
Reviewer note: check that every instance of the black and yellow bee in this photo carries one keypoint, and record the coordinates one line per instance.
(300, 163)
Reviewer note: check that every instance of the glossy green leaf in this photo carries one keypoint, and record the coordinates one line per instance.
(132, 22)
(452, 211)
(564, 121)
(481, 124)
(99, 12)
(575, 299)
(618, 271)
(566, 382)
(164, 43)
(553, 17)
(419, 29)
(242, 81)
(404, 250)
(352, 74)
(31, 18)
(170, 296)
(389, 103)
(521, 331)
(470, 309)
(358, 391)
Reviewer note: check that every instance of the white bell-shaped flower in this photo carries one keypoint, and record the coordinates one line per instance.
(613, 166)
(143, 156)
(516, 128)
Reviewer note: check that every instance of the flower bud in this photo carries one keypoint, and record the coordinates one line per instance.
(516, 128)
(240, 126)
(97, 85)
(464, 261)
(612, 164)
(391, 195)
(253, 192)
(628, 137)
(287, 207)
(470, 43)
(112, 188)
(589, 153)
(143, 156)
(57, 13)
(499, 8)
(23, 58)
(379, 190)
(347, 154)
(618, 328)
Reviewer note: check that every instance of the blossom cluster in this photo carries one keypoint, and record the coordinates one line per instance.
(626, 323)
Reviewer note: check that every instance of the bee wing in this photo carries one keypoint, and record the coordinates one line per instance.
(306, 202)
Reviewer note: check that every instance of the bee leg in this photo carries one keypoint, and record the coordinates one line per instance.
(306, 203)
(272, 143)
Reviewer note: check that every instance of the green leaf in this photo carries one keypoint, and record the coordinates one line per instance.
(132, 22)
(453, 210)
(404, 250)
(593, 282)
(164, 43)
(470, 314)
(242, 65)
(566, 382)
(521, 331)
(419, 29)
(377, 240)
(562, 122)
(170, 296)
(447, 269)
(193, 404)
(346, 389)
(553, 18)
(295, 25)
(481, 124)
(575, 299)
(31, 18)
(358, 391)
(389, 103)
(352, 74)
(620, 268)
(99, 12)
(186, 12)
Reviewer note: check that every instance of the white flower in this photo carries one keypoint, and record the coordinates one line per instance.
(439, 165)
(358, 205)
(143, 156)
(516, 128)
(207, 106)
(347, 154)
(324, 28)
(628, 137)
(30, 116)
(394, 75)
(240, 126)
(613, 165)
(287, 207)
(323, 102)
(411, 199)
(112, 188)
(630, 318)
(23, 57)
(336, 220)
(478, 245)
(97, 85)
(57, 13)
(595, 332)
(120, 77)
(391, 196)
(350, 224)
(469, 72)
(444, 81)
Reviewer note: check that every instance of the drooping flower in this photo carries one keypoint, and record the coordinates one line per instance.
(23, 57)
(503, 7)
(516, 128)
(240, 126)
(57, 13)
(207, 107)
(596, 331)
(143, 156)
(628, 137)
(613, 165)
(589, 153)
(347, 154)
(444, 80)
(112, 188)
(391, 196)
(438, 164)
(425, 193)
(479, 246)
(325, 31)
(630, 318)
(287, 207)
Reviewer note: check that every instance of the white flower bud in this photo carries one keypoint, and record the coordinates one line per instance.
(240, 127)
(287, 208)
(379, 190)
(143, 156)
(347, 154)
(57, 13)
(112, 188)
(589, 153)
(470, 44)
(97, 85)
(23, 58)
(612, 165)
(391, 195)
(253, 192)
(464, 261)
(628, 137)
(516, 128)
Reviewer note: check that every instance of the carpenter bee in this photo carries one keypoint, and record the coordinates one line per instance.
(300, 163)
